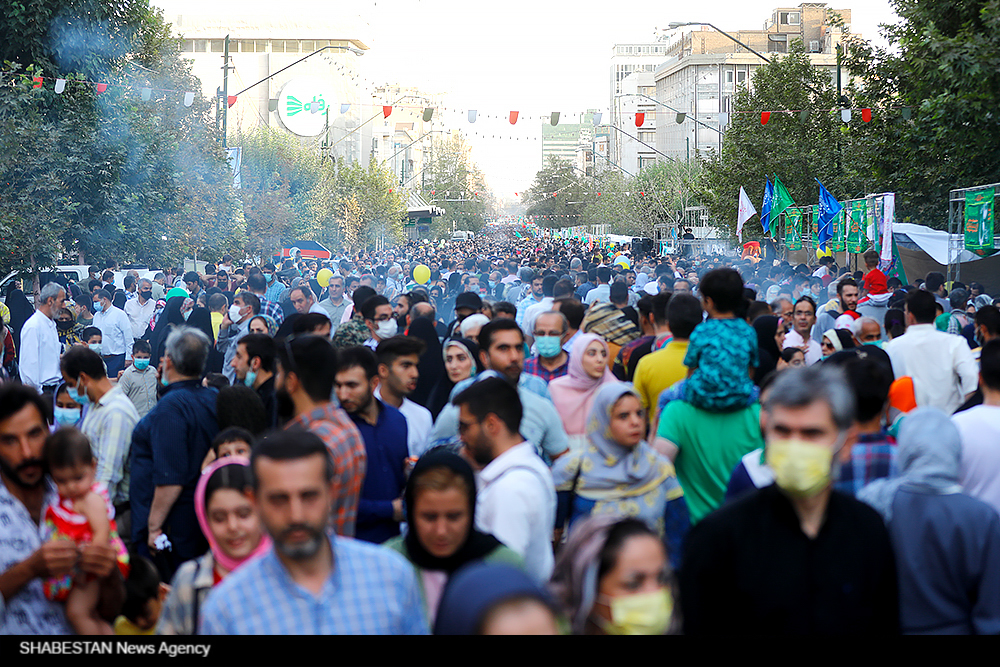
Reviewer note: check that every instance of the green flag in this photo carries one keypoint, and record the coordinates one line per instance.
(781, 201)
(857, 226)
(838, 243)
(793, 229)
(979, 221)
(895, 269)
(814, 225)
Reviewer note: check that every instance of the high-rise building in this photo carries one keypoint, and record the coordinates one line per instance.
(567, 141)
(633, 90)
(704, 69)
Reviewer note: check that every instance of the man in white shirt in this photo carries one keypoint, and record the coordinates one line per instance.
(304, 301)
(942, 366)
(398, 360)
(40, 348)
(979, 473)
(803, 320)
(603, 290)
(517, 497)
(140, 309)
(116, 333)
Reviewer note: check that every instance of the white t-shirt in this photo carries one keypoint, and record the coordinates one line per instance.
(813, 354)
(418, 424)
(979, 473)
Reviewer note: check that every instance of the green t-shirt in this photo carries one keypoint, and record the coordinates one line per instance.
(710, 445)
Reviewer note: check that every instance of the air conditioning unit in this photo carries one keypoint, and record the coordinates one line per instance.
(814, 46)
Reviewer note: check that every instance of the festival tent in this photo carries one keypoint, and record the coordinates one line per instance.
(922, 250)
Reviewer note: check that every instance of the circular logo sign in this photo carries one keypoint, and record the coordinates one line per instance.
(303, 105)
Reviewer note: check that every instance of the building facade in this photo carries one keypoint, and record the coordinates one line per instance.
(632, 68)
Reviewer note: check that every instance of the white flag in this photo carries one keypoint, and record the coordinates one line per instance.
(746, 212)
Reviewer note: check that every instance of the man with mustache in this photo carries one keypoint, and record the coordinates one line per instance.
(25, 493)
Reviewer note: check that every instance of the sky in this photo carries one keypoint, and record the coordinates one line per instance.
(530, 56)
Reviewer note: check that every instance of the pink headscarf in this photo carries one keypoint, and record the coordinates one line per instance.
(218, 554)
(573, 394)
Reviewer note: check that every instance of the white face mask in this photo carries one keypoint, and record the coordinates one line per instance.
(386, 329)
(234, 313)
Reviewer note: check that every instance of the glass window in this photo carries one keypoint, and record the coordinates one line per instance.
(200, 45)
(187, 46)
(277, 46)
(260, 45)
(218, 45)
(308, 46)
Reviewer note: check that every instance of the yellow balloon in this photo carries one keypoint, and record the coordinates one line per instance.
(623, 261)
(821, 254)
(421, 273)
(323, 277)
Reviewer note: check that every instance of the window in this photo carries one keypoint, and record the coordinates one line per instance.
(277, 46)
(260, 45)
(308, 46)
(788, 18)
(187, 46)
(777, 43)
(200, 45)
(218, 46)
(729, 76)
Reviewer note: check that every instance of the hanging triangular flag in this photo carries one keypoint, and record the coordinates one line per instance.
(472, 115)
(866, 115)
(344, 108)
(101, 87)
(597, 118)
(145, 94)
(37, 82)
(764, 117)
(907, 112)
(845, 115)
(231, 100)
(513, 117)
(60, 85)
(681, 117)
(804, 115)
(640, 118)
(272, 105)
(554, 117)
(386, 110)
(428, 113)
(188, 99)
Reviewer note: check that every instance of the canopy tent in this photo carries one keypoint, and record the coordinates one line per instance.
(922, 250)
(309, 250)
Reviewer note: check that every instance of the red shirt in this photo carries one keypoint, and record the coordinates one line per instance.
(875, 282)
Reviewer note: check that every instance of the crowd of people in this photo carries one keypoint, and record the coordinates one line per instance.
(501, 436)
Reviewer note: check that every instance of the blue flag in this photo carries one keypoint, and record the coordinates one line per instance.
(765, 209)
(829, 207)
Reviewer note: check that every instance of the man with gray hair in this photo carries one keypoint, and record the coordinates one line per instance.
(40, 348)
(806, 559)
(168, 446)
(140, 309)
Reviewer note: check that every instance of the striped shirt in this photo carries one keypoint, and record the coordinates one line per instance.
(350, 460)
(371, 591)
(109, 424)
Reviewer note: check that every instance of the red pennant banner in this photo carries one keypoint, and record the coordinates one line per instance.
(640, 118)
(764, 117)
(386, 110)
(866, 115)
(231, 100)
(37, 82)
(101, 87)
(513, 117)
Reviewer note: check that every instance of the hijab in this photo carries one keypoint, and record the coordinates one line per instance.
(574, 579)
(929, 455)
(20, 311)
(220, 467)
(169, 318)
(609, 470)
(201, 319)
(477, 545)
(766, 327)
(272, 326)
(640, 282)
(430, 366)
(474, 591)
(573, 394)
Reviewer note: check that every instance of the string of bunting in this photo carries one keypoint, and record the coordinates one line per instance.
(145, 92)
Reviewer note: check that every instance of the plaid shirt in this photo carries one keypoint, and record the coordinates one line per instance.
(533, 366)
(343, 441)
(873, 457)
(272, 310)
(188, 591)
(109, 424)
(371, 591)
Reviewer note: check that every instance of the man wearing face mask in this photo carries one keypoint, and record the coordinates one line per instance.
(116, 333)
(552, 361)
(140, 309)
(806, 559)
(236, 325)
(254, 366)
(108, 423)
(379, 319)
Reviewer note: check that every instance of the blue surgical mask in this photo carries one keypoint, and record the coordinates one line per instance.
(77, 397)
(876, 343)
(67, 416)
(140, 364)
(163, 379)
(250, 378)
(98, 306)
(268, 277)
(96, 347)
(548, 346)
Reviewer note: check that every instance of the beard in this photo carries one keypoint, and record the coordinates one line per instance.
(285, 405)
(14, 474)
(302, 550)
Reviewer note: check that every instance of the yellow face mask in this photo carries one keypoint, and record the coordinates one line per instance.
(640, 614)
(800, 468)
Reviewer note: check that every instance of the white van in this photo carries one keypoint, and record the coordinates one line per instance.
(462, 236)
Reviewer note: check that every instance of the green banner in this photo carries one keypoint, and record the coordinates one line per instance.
(979, 221)
(839, 241)
(857, 226)
(793, 228)
(895, 269)
(814, 225)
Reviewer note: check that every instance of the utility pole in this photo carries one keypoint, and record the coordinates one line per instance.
(225, 90)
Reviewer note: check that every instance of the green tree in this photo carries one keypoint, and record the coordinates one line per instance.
(800, 146)
(371, 206)
(556, 196)
(632, 205)
(455, 183)
(943, 65)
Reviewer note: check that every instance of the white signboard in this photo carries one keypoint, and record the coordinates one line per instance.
(302, 106)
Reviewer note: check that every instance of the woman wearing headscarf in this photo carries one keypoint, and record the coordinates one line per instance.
(430, 366)
(618, 473)
(201, 319)
(573, 394)
(170, 317)
(602, 579)
(20, 310)
(459, 356)
(495, 599)
(234, 534)
(768, 346)
(441, 532)
(69, 331)
(947, 544)
(264, 324)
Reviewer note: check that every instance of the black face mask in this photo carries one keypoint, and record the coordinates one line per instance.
(147, 295)
(66, 325)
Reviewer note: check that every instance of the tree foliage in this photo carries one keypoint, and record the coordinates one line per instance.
(453, 181)
(556, 196)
